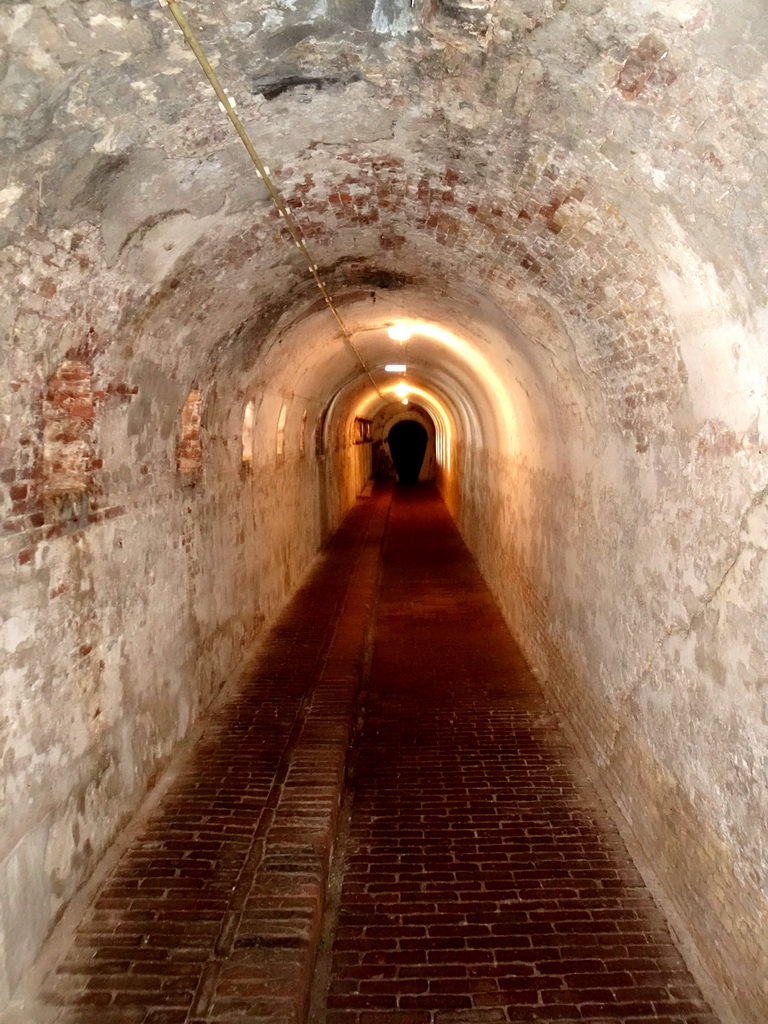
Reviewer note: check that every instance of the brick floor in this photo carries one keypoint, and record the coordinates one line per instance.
(482, 881)
(213, 914)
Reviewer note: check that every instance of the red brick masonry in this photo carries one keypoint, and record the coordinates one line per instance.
(482, 880)
(214, 912)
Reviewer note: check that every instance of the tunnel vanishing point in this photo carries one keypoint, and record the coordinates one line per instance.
(552, 213)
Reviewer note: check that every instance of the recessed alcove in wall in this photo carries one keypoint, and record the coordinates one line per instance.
(303, 434)
(280, 436)
(247, 434)
(189, 450)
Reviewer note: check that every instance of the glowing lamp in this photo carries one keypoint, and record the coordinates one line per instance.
(399, 332)
(395, 367)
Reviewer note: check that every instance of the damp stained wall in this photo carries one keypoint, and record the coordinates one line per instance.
(574, 188)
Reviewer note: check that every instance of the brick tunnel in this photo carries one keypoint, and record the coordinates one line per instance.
(284, 739)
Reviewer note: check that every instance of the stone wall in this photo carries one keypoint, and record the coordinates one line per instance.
(636, 586)
(126, 604)
(577, 189)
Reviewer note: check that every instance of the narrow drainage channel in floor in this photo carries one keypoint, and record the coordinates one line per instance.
(323, 965)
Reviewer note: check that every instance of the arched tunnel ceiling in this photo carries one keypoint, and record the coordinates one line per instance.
(572, 190)
(572, 166)
(463, 368)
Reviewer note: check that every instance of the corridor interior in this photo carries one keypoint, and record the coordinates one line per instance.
(245, 245)
(390, 788)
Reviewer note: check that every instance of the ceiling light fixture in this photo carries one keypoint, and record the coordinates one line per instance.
(395, 367)
(399, 332)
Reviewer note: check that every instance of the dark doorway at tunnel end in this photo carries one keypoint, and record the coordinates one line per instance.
(407, 445)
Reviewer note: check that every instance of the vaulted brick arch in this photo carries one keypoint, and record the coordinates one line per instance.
(569, 199)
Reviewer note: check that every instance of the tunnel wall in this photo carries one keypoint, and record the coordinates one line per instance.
(133, 602)
(345, 471)
(634, 577)
(612, 156)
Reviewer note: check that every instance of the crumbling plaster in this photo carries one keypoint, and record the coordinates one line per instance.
(576, 187)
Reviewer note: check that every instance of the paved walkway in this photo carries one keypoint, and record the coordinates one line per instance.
(482, 880)
(477, 878)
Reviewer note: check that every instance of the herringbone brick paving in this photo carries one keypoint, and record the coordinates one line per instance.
(483, 882)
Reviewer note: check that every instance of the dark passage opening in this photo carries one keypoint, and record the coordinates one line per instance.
(407, 443)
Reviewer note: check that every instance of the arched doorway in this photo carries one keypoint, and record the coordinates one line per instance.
(407, 444)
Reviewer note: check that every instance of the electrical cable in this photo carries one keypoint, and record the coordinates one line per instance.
(290, 220)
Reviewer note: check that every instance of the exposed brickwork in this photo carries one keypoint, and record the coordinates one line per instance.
(483, 881)
(215, 909)
(710, 899)
(541, 227)
(590, 184)
(68, 414)
(53, 477)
